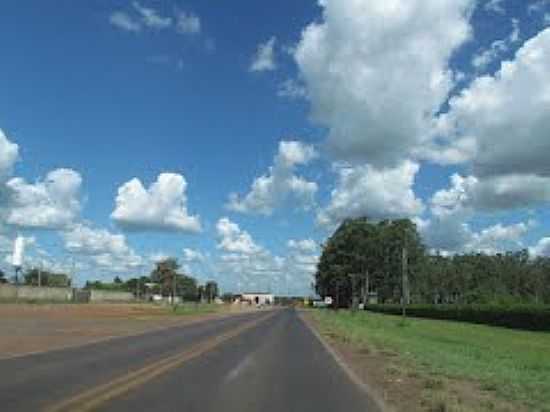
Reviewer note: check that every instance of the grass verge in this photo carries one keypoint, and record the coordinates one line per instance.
(187, 309)
(496, 363)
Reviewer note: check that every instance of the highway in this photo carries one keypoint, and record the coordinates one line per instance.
(262, 361)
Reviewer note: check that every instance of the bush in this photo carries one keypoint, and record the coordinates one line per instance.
(527, 317)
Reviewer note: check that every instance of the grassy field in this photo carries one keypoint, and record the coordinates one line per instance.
(184, 309)
(514, 365)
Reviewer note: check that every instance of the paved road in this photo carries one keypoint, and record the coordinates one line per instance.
(264, 361)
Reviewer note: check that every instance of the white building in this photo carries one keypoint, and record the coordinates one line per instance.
(258, 298)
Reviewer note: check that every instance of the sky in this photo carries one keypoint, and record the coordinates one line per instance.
(236, 138)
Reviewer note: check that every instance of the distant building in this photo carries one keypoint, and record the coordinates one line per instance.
(258, 298)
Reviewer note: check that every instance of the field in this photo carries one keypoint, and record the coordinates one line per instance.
(28, 328)
(452, 365)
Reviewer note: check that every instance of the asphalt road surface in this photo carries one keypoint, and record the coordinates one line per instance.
(263, 361)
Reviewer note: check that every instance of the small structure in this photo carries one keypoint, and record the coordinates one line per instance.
(258, 298)
(372, 298)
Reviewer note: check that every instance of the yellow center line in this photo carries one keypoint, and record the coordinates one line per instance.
(93, 398)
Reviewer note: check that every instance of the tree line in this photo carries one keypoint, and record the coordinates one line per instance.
(166, 280)
(365, 258)
(37, 277)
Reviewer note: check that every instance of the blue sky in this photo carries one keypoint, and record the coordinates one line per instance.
(308, 113)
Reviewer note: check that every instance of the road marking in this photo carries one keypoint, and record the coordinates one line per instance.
(240, 368)
(93, 398)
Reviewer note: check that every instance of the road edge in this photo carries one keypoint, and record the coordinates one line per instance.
(373, 396)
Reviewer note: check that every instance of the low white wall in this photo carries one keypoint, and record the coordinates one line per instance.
(11, 292)
(7, 292)
(110, 296)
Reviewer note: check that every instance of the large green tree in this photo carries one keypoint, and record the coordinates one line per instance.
(165, 274)
(171, 282)
(363, 256)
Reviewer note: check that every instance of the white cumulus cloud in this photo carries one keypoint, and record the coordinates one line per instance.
(514, 191)
(9, 152)
(375, 193)
(161, 207)
(542, 248)
(377, 71)
(498, 238)
(452, 234)
(507, 113)
(280, 184)
(103, 248)
(233, 239)
(53, 203)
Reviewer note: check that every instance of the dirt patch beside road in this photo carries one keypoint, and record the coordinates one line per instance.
(29, 328)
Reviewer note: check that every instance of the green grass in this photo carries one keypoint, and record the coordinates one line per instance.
(186, 309)
(514, 364)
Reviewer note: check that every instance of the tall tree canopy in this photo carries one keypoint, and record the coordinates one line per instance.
(363, 254)
(362, 251)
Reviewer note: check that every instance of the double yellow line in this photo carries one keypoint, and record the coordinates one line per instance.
(93, 398)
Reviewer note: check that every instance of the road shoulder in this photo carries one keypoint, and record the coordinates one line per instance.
(400, 385)
(339, 355)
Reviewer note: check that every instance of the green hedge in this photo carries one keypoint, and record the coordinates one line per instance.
(527, 317)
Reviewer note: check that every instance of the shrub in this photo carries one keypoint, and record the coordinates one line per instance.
(527, 317)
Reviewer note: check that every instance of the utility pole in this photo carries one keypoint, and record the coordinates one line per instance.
(405, 298)
(366, 290)
(338, 295)
(174, 289)
(354, 277)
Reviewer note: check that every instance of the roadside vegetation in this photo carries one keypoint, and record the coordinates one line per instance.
(166, 279)
(528, 317)
(461, 366)
(188, 309)
(497, 363)
(386, 263)
(363, 257)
